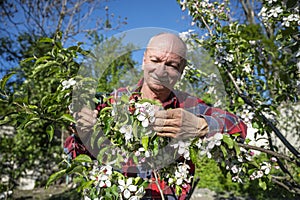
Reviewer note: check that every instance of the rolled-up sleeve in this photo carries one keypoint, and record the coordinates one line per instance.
(219, 121)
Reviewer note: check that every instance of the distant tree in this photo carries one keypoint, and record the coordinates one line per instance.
(23, 22)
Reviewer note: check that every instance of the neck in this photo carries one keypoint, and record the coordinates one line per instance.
(148, 93)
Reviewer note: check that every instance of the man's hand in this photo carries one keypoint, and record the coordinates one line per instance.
(179, 123)
(85, 120)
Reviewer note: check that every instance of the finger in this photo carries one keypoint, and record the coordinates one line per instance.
(167, 122)
(171, 135)
(168, 114)
(87, 115)
(166, 129)
(87, 111)
(86, 123)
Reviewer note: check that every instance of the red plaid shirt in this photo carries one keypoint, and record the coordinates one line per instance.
(219, 121)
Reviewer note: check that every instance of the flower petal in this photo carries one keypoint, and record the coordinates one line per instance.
(132, 188)
(126, 194)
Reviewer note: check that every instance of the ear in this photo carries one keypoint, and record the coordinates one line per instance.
(183, 65)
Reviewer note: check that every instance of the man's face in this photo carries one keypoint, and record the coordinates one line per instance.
(162, 69)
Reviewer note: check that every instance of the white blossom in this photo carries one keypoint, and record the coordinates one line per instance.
(263, 13)
(266, 167)
(247, 68)
(68, 83)
(290, 18)
(145, 113)
(183, 4)
(235, 169)
(127, 131)
(239, 82)
(127, 187)
(247, 115)
(186, 35)
(216, 140)
(271, 1)
(182, 174)
(275, 12)
(101, 176)
(237, 179)
(183, 148)
(229, 57)
(252, 42)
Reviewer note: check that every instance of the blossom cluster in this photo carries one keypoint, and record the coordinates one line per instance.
(273, 10)
(222, 55)
(211, 12)
(181, 176)
(265, 169)
(247, 114)
(139, 146)
(68, 83)
(104, 176)
(206, 145)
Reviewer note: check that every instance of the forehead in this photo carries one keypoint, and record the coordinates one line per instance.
(167, 44)
(162, 54)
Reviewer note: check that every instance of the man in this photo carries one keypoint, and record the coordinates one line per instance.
(184, 116)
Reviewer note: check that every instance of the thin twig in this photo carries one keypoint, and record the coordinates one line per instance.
(265, 119)
(207, 27)
(158, 186)
(288, 188)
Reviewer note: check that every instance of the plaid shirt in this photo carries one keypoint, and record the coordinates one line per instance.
(218, 121)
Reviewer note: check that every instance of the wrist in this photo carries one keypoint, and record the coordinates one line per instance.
(202, 127)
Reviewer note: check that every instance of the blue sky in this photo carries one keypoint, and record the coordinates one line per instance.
(140, 13)
(151, 13)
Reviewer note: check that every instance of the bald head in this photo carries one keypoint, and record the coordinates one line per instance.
(169, 43)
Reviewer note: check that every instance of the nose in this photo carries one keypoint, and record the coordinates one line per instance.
(161, 70)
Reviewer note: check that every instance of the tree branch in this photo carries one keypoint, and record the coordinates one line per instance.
(247, 146)
(265, 119)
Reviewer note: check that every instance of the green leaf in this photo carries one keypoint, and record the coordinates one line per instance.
(5, 79)
(102, 152)
(236, 134)
(145, 140)
(41, 59)
(236, 148)
(47, 40)
(240, 100)
(50, 132)
(224, 151)
(193, 154)
(87, 184)
(262, 184)
(68, 117)
(125, 98)
(228, 141)
(27, 60)
(32, 120)
(55, 176)
(83, 158)
(5, 120)
(76, 169)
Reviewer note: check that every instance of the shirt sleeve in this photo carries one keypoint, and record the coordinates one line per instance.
(219, 121)
(73, 147)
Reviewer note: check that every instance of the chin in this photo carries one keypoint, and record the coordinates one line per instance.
(159, 88)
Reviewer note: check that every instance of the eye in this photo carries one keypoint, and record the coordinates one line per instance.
(154, 60)
(173, 65)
